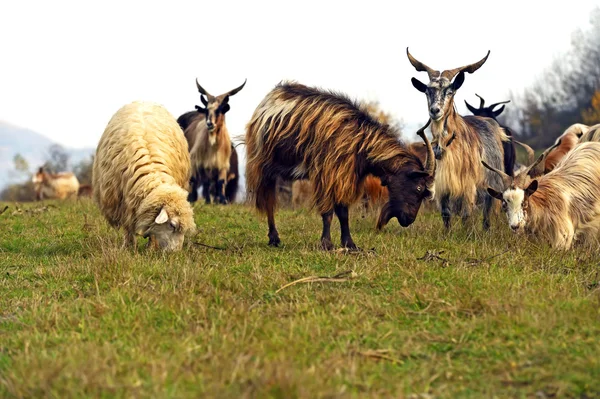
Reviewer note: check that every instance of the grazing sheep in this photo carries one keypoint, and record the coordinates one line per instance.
(560, 206)
(460, 144)
(300, 132)
(55, 185)
(140, 175)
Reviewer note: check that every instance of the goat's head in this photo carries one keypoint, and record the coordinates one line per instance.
(215, 107)
(488, 111)
(408, 187)
(517, 190)
(442, 85)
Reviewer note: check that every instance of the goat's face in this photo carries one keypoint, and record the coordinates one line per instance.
(215, 108)
(165, 233)
(407, 190)
(515, 203)
(440, 94)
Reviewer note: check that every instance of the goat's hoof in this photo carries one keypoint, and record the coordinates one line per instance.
(274, 242)
(351, 246)
(326, 245)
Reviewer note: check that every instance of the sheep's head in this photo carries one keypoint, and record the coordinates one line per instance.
(215, 108)
(165, 233)
(518, 189)
(408, 187)
(488, 111)
(442, 85)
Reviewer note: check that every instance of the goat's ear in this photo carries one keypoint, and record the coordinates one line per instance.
(224, 108)
(460, 79)
(498, 111)
(162, 217)
(494, 193)
(201, 110)
(419, 85)
(204, 100)
(471, 108)
(533, 186)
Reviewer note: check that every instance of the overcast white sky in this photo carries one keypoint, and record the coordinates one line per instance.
(67, 66)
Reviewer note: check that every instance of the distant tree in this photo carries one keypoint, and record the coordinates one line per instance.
(58, 158)
(591, 116)
(566, 93)
(21, 164)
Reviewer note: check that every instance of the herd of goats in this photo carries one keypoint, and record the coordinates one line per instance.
(148, 165)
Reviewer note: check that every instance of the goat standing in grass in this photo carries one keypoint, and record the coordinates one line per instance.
(299, 132)
(209, 145)
(460, 144)
(560, 206)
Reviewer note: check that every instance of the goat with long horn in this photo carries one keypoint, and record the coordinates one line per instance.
(210, 147)
(460, 143)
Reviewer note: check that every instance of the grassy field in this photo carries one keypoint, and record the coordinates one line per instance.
(422, 314)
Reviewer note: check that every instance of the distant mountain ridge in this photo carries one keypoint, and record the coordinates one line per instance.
(33, 146)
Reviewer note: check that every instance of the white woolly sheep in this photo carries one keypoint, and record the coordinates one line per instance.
(55, 185)
(141, 173)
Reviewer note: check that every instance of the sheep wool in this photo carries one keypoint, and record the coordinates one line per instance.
(141, 167)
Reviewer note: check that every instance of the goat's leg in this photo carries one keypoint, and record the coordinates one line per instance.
(326, 243)
(194, 183)
(445, 207)
(221, 182)
(341, 212)
(267, 198)
(205, 180)
(488, 203)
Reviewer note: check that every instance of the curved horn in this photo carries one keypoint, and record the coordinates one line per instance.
(481, 101)
(202, 91)
(430, 161)
(529, 150)
(237, 89)
(451, 73)
(506, 179)
(501, 102)
(471, 108)
(419, 66)
(537, 168)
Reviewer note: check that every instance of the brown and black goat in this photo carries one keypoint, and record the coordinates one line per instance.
(210, 147)
(460, 143)
(510, 152)
(300, 132)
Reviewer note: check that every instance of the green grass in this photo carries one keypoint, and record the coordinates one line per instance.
(501, 316)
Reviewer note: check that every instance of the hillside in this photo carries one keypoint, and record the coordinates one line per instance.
(32, 146)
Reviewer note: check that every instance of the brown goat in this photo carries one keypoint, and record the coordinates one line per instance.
(301, 132)
(460, 144)
(209, 143)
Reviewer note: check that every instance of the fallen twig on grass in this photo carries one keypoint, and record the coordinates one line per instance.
(4, 210)
(432, 254)
(208, 246)
(338, 278)
(381, 354)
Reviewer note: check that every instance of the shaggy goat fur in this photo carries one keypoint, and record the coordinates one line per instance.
(568, 140)
(461, 143)
(55, 185)
(562, 205)
(141, 167)
(299, 132)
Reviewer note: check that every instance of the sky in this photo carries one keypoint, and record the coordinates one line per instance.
(68, 66)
